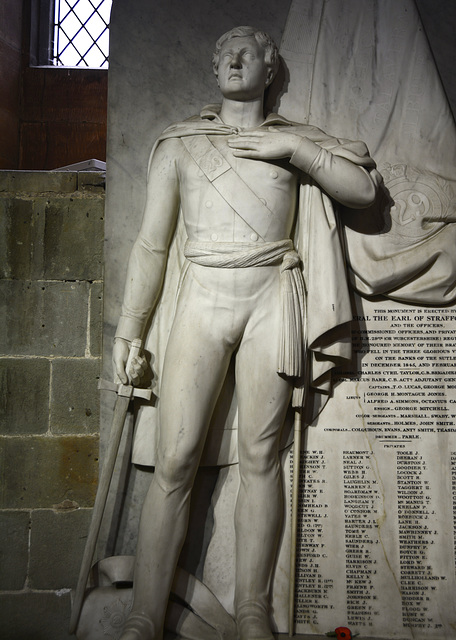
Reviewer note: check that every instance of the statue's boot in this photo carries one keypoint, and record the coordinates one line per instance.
(253, 622)
(139, 627)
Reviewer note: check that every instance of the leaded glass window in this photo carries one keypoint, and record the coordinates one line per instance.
(81, 33)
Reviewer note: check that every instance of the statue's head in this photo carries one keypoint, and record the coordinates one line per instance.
(271, 52)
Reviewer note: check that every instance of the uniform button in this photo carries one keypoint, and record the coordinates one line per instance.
(254, 237)
(274, 174)
(214, 237)
(209, 203)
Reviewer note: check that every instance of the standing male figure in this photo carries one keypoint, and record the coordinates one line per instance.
(237, 180)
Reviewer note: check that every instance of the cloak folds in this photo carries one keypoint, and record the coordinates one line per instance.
(328, 308)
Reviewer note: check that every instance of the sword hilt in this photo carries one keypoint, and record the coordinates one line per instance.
(124, 389)
(127, 390)
(135, 350)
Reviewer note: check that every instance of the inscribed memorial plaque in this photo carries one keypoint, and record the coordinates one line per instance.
(376, 545)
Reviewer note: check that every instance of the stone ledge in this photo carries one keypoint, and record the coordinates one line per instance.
(92, 182)
(14, 182)
(38, 181)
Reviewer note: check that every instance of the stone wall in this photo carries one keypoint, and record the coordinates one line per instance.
(51, 252)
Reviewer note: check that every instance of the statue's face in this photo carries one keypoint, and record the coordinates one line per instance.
(242, 72)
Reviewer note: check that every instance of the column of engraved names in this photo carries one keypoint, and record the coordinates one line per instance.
(361, 495)
(415, 538)
(312, 587)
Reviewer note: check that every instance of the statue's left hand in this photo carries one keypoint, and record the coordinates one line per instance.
(268, 144)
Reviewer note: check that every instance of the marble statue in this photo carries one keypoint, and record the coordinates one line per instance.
(263, 283)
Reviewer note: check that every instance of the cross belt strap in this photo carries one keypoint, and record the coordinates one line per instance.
(229, 184)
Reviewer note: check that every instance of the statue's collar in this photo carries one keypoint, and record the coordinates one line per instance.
(212, 112)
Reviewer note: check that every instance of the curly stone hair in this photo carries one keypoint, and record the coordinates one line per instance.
(271, 52)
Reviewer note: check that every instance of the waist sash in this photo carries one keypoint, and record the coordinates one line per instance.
(235, 255)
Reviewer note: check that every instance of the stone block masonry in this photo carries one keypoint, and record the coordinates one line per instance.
(51, 287)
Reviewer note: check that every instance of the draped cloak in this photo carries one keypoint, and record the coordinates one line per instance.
(317, 240)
